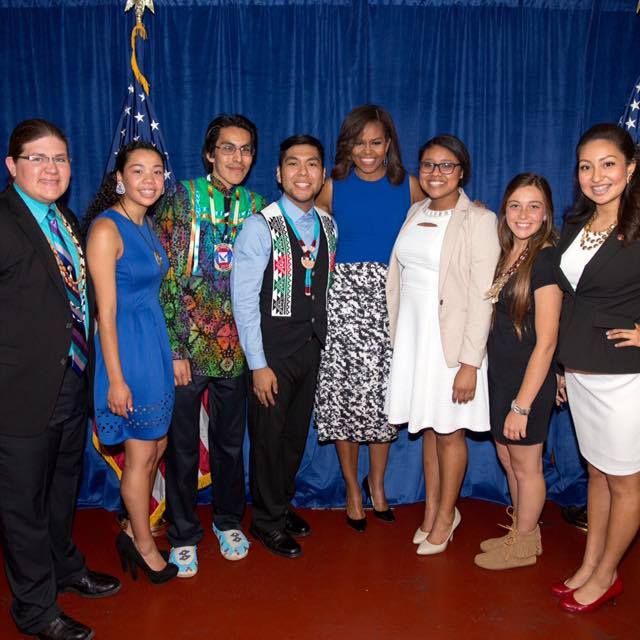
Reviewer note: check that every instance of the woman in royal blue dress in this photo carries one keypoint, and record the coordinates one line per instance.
(134, 386)
(369, 193)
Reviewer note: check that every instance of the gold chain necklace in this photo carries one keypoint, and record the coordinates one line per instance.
(501, 279)
(593, 239)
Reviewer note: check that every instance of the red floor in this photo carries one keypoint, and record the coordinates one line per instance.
(351, 586)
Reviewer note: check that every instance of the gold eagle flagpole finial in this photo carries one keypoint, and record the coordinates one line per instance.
(138, 30)
(140, 6)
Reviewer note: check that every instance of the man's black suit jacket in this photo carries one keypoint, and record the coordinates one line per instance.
(35, 320)
(607, 297)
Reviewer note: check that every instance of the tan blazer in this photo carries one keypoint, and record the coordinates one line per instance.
(470, 252)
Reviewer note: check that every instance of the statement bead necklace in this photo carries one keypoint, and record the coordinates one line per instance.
(593, 239)
(81, 281)
(502, 278)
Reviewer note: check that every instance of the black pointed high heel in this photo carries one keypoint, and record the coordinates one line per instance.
(131, 559)
(357, 524)
(387, 514)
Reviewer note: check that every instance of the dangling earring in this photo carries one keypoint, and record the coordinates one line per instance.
(120, 188)
(386, 159)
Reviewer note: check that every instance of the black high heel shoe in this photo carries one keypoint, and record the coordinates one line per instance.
(358, 524)
(387, 514)
(131, 558)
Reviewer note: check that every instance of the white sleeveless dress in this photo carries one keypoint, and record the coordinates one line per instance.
(420, 385)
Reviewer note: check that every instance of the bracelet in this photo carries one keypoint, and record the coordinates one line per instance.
(521, 411)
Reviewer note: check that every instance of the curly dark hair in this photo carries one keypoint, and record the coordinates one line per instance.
(629, 210)
(351, 129)
(106, 195)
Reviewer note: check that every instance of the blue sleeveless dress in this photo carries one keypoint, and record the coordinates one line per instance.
(143, 342)
(357, 357)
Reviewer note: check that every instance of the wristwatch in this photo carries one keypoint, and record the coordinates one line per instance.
(521, 411)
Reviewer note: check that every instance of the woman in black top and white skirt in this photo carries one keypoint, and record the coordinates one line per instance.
(520, 348)
(599, 347)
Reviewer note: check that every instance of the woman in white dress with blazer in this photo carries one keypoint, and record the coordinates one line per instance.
(440, 270)
(598, 269)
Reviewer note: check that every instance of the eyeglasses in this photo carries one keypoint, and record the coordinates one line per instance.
(39, 159)
(446, 168)
(228, 149)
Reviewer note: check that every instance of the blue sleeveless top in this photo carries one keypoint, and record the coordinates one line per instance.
(369, 217)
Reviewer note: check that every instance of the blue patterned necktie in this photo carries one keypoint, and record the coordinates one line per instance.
(79, 350)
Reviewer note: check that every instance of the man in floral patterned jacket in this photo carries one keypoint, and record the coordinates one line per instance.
(198, 226)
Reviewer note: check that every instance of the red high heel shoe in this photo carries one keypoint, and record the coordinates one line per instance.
(561, 590)
(571, 605)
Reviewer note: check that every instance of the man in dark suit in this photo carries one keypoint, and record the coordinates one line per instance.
(45, 330)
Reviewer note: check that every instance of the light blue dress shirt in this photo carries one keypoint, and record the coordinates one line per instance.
(252, 252)
(39, 211)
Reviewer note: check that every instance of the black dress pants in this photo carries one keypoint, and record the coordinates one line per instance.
(278, 435)
(39, 479)
(227, 417)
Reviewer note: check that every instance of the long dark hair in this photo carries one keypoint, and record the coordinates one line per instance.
(351, 129)
(629, 210)
(106, 195)
(29, 130)
(518, 289)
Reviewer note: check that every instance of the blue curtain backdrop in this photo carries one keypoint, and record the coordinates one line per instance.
(518, 81)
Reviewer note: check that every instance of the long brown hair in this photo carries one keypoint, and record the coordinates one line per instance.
(629, 210)
(518, 290)
(351, 129)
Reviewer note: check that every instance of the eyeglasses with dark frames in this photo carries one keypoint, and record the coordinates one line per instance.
(446, 168)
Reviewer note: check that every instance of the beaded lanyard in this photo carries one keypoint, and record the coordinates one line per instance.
(309, 253)
(223, 251)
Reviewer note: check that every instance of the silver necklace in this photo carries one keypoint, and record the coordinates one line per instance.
(150, 243)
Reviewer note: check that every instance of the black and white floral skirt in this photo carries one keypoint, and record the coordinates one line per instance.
(355, 364)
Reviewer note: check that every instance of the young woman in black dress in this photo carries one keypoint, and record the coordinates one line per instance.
(520, 349)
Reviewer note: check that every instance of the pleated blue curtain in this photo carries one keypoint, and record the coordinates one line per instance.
(518, 81)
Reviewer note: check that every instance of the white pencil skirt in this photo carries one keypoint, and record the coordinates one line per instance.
(606, 415)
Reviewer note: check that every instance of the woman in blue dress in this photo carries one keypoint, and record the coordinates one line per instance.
(369, 193)
(134, 385)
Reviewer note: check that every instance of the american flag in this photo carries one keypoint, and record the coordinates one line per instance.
(630, 119)
(138, 120)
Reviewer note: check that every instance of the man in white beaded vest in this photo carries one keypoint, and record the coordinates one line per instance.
(284, 261)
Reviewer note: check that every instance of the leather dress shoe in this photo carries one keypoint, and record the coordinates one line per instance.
(577, 516)
(278, 542)
(93, 585)
(295, 525)
(65, 628)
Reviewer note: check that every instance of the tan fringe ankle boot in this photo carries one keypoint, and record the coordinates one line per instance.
(492, 543)
(517, 550)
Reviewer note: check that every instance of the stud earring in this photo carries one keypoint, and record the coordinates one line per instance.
(120, 188)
